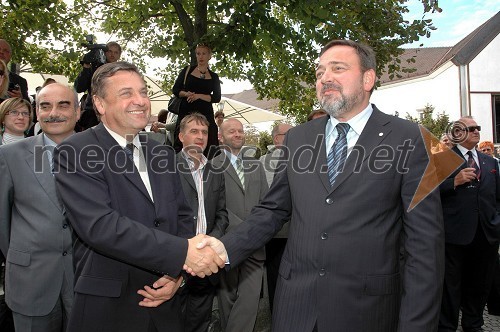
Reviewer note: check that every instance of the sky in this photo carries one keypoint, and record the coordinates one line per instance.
(457, 20)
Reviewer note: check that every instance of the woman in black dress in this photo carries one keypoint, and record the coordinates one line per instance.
(202, 88)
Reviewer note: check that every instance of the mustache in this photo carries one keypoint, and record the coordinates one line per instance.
(55, 119)
(331, 86)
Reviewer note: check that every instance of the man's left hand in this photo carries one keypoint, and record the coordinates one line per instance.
(164, 289)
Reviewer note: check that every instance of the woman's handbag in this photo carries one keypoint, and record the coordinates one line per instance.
(175, 102)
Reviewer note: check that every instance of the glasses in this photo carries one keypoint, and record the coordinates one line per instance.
(471, 129)
(15, 113)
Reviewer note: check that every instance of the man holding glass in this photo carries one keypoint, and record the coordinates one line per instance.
(471, 200)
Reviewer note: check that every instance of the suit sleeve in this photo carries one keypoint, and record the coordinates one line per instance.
(423, 247)
(23, 84)
(265, 220)
(221, 219)
(82, 82)
(98, 223)
(6, 198)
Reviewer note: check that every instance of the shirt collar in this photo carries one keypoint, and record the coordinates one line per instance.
(203, 161)
(121, 140)
(465, 150)
(357, 123)
(47, 141)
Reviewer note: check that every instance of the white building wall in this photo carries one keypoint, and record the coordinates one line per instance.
(441, 90)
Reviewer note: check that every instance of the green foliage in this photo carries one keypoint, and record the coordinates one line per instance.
(436, 125)
(274, 44)
(265, 139)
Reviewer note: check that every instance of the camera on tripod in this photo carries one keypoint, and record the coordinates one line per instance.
(96, 56)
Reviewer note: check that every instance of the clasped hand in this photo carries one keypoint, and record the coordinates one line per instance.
(205, 256)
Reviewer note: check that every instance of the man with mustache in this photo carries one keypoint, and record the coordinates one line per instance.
(359, 256)
(35, 234)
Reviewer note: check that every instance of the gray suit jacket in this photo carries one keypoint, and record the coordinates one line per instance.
(356, 258)
(35, 236)
(239, 201)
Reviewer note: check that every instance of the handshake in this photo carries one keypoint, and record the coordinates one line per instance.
(205, 256)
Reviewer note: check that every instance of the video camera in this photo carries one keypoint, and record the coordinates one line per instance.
(95, 56)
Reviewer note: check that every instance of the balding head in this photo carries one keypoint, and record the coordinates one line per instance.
(232, 135)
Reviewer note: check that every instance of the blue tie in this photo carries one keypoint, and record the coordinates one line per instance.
(129, 150)
(338, 152)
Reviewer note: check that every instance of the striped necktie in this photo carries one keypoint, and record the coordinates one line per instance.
(240, 171)
(338, 152)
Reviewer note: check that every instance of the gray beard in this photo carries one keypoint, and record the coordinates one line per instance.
(340, 106)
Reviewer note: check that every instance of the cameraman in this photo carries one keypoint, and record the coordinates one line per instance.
(82, 84)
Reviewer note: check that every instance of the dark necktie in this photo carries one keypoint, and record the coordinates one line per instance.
(129, 150)
(472, 164)
(338, 152)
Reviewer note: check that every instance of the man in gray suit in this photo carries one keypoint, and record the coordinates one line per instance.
(245, 186)
(361, 254)
(34, 233)
(206, 195)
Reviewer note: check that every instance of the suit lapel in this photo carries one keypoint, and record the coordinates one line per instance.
(207, 178)
(224, 162)
(186, 171)
(376, 130)
(35, 158)
(118, 159)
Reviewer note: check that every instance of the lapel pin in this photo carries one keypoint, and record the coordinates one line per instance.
(381, 134)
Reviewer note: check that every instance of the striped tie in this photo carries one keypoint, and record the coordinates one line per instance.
(338, 152)
(240, 171)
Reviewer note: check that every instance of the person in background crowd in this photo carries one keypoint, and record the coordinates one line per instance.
(219, 118)
(470, 199)
(4, 81)
(361, 255)
(205, 192)
(316, 114)
(35, 235)
(445, 142)
(246, 185)
(82, 84)
(161, 126)
(35, 129)
(201, 90)
(276, 246)
(18, 86)
(15, 119)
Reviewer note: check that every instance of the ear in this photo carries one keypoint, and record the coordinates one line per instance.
(369, 78)
(181, 137)
(78, 113)
(99, 104)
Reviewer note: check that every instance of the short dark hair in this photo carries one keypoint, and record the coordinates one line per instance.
(106, 71)
(367, 57)
(196, 117)
(216, 114)
(162, 115)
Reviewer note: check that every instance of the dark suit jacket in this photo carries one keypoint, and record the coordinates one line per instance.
(124, 241)
(341, 267)
(23, 84)
(214, 192)
(464, 208)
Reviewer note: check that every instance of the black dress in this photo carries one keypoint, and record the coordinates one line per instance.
(203, 86)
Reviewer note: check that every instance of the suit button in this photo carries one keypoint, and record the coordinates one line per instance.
(157, 223)
(65, 253)
(195, 217)
(322, 272)
(324, 236)
(329, 201)
(65, 226)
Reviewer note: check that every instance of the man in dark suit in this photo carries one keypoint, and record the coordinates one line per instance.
(35, 234)
(14, 79)
(471, 202)
(246, 185)
(131, 220)
(206, 194)
(360, 256)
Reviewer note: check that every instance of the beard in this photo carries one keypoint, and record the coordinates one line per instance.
(338, 106)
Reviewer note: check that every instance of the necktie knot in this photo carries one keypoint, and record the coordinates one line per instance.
(343, 128)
